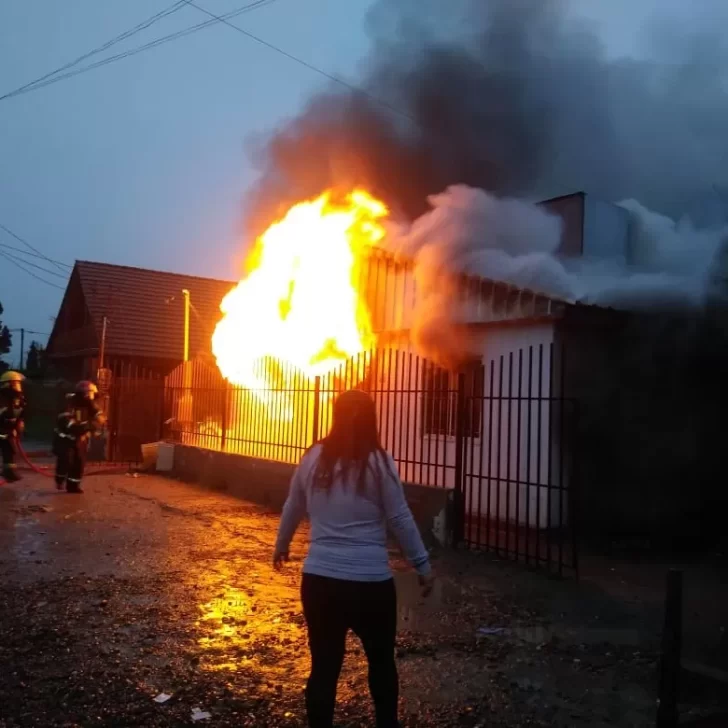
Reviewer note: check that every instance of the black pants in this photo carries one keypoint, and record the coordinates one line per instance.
(333, 607)
(7, 449)
(70, 464)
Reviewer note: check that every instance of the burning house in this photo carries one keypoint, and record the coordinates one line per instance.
(471, 391)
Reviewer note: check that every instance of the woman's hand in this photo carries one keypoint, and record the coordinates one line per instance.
(427, 583)
(279, 557)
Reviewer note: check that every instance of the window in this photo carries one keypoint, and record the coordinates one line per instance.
(440, 400)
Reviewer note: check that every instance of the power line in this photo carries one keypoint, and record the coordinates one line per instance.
(225, 18)
(305, 64)
(29, 331)
(178, 5)
(35, 250)
(34, 265)
(29, 272)
(138, 49)
(20, 251)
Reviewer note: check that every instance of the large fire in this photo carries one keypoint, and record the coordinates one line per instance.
(299, 308)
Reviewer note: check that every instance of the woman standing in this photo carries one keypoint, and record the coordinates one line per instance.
(349, 487)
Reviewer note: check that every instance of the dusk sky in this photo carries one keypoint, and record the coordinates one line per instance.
(145, 161)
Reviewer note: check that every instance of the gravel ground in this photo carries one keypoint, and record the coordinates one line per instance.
(144, 586)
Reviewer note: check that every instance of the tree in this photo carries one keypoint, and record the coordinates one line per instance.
(35, 364)
(6, 340)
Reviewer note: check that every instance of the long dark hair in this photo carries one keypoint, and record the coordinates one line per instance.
(350, 443)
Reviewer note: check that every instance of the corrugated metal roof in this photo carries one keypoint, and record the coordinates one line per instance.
(145, 309)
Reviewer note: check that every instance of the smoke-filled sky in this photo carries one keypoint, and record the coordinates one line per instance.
(155, 160)
(518, 98)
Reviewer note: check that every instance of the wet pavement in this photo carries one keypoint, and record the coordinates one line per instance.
(146, 586)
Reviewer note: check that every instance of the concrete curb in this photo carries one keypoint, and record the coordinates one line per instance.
(265, 482)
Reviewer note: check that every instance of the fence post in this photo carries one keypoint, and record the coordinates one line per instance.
(573, 493)
(161, 401)
(316, 408)
(667, 699)
(458, 529)
(224, 418)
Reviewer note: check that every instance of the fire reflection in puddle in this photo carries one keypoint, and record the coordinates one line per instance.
(251, 630)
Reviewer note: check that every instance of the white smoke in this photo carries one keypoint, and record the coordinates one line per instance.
(668, 264)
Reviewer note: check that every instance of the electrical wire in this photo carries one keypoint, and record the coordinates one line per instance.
(30, 272)
(34, 265)
(20, 251)
(225, 19)
(178, 5)
(56, 263)
(29, 331)
(138, 49)
(306, 64)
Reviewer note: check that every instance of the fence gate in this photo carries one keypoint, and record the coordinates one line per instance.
(135, 416)
(515, 462)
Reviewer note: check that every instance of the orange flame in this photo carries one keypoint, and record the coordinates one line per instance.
(299, 305)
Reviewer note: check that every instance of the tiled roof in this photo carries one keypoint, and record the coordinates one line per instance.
(145, 309)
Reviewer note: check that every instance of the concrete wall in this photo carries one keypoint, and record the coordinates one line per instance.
(266, 482)
(592, 228)
(649, 439)
(606, 230)
(570, 208)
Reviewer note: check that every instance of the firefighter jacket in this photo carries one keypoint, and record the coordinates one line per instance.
(12, 408)
(79, 421)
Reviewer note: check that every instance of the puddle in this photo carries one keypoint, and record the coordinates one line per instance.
(538, 635)
(238, 630)
(617, 636)
(535, 635)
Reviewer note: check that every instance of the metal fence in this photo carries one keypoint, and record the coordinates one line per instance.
(134, 405)
(516, 442)
(498, 435)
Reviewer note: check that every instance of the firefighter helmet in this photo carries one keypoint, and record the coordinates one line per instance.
(87, 389)
(12, 380)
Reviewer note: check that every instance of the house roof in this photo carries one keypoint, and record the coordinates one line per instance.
(145, 309)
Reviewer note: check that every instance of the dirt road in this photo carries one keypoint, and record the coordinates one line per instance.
(144, 586)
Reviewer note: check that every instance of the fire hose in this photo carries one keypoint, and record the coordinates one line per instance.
(108, 469)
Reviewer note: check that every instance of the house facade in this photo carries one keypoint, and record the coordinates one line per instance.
(135, 315)
(495, 427)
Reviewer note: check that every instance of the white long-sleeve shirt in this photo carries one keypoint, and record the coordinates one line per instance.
(348, 528)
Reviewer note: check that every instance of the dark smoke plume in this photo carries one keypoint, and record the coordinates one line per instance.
(512, 99)
(516, 97)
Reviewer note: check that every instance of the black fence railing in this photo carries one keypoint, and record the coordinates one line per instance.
(518, 473)
(498, 435)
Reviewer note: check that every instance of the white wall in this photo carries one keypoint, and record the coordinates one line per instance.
(507, 467)
(513, 469)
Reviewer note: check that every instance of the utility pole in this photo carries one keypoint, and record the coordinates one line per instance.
(186, 295)
(184, 412)
(23, 332)
(102, 349)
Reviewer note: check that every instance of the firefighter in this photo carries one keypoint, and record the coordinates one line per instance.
(12, 406)
(75, 425)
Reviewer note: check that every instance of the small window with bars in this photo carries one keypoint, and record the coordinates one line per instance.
(440, 400)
